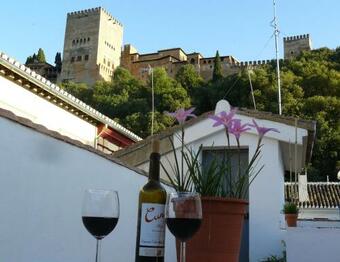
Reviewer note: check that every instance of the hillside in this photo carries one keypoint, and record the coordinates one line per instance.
(310, 90)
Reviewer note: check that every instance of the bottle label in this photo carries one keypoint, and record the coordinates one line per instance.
(152, 230)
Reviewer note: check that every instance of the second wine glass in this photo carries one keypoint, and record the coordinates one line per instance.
(100, 214)
(183, 216)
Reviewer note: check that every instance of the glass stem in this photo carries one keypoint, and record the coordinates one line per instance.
(182, 252)
(98, 250)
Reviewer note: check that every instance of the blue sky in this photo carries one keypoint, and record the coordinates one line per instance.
(235, 27)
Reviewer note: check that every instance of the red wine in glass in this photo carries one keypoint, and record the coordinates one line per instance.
(183, 228)
(100, 214)
(183, 215)
(100, 227)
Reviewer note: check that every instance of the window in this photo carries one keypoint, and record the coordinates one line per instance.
(108, 63)
(72, 59)
(104, 61)
(81, 41)
(88, 39)
(77, 41)
(78, 58)
(192, 60)
(220, 154)
(86, 57)
(73, 42)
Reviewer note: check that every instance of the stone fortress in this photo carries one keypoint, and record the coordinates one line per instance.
(93, 49)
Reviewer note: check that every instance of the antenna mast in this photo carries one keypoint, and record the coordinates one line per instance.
(276, 32)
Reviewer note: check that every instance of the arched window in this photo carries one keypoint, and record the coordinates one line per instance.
(192, 61)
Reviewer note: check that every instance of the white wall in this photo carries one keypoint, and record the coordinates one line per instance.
(313, 244)
(323, 213)
(41, 186)
(26, 104)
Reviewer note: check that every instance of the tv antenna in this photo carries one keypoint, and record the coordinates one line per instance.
(276, 33)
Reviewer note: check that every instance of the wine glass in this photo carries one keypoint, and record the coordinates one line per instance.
(100, 213)
(183, 214)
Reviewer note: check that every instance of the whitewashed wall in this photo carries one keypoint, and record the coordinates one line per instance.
(313, 244)
(26, 104)
(266, 195)
(41, 186)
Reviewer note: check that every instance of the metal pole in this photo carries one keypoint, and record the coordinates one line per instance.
(276, 32)
(153, 101)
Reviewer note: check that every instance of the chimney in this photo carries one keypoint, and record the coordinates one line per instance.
(303, 192)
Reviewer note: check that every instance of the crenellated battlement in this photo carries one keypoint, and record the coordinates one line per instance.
(295, 38)
(83, 12)
(254, 63)
(94, 11)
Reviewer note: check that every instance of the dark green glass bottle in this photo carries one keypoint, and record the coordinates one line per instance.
(151, 222)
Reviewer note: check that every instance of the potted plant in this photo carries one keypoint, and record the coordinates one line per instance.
(291, 211)
(223, 195)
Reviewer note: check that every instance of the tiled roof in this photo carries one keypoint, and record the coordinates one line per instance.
(45, 88)
(321, 194)
(306, 124)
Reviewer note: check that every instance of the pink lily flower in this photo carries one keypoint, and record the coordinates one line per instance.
(237, 129)
(263, 130)
(181, 114)
(223, 118)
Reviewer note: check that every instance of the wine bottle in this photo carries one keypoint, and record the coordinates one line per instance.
(151, 221)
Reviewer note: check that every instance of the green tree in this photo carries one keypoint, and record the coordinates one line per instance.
(58, 62)
(29, 60)
(41, 56)
(79, 90)
(217, 72)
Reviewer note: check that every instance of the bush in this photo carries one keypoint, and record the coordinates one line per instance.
(290, 208)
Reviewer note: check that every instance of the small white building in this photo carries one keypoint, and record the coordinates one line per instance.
(266, 195)
(29, 95)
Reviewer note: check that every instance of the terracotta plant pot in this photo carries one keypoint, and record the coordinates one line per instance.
(219, 237)
(291, 219)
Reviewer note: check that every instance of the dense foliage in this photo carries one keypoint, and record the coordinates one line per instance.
(310, 90)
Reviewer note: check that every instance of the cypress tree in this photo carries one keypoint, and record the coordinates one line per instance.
(57, 61)
(41, 56)
(29, 60)
(217, 72)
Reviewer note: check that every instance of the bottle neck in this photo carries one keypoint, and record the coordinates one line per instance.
(154, 166)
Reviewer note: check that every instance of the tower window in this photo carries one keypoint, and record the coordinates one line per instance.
(78, 58)
(88, 39)
(291, 52)
(77, 41)
(72, 59)
(86, 57)
(73, 42)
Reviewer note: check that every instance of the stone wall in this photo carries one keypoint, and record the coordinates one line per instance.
(93, 39)
(294, 45)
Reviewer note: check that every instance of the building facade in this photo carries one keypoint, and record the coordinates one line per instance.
(92, 46)
(93, 49)
(172, 60)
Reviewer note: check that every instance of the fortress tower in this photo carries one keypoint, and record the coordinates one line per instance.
(294, 45)
(92, 46)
